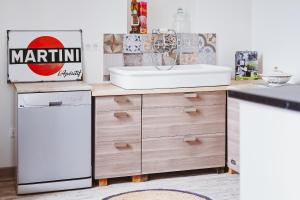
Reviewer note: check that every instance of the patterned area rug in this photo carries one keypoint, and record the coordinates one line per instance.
(158, 194)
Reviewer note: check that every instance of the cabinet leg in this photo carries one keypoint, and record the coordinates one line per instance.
(103, 182)
(231, 171)
(139, 178)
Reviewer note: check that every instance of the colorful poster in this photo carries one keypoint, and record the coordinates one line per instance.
(35, 56)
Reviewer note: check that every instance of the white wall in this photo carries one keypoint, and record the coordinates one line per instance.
(93, 16)
(276, 34)
(230, 19)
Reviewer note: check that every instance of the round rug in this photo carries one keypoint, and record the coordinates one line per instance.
(157, 194)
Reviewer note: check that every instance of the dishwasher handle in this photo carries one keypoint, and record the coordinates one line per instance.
(55, 103)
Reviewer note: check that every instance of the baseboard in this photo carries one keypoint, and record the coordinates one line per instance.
(7, 173)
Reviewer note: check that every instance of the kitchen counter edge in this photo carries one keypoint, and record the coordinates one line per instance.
(108, 89)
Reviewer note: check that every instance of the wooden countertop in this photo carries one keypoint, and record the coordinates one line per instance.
(108, 89)
(51, 87)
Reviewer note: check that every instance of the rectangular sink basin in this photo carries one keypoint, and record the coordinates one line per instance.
(149, 77)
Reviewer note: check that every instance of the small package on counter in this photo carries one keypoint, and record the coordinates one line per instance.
(246, 65)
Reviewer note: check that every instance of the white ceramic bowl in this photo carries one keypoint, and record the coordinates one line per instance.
(276, 80)
(276, 77)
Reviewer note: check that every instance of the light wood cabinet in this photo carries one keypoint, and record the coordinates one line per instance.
(233, 134)
(117, 136)
(183, 131)
(153, 133)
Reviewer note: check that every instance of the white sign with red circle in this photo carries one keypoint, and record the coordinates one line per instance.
(35, 56)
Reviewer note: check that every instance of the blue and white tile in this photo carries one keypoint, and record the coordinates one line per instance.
(133, 43)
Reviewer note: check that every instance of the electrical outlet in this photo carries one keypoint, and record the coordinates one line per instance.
(12, 132)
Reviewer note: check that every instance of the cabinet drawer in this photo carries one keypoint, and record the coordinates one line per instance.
(117, 159)
(111, 103)
(183, 153)
(161, 122)
(184, 99)
(118, 125)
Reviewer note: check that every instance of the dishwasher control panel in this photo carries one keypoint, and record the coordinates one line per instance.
(72, 98)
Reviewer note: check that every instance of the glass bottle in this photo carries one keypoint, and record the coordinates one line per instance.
(181, 22)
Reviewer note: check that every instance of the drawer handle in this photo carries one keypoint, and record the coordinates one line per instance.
(55, 103)
(121, 99)
(190, 110)
(190, 139)
(121, 145)
(121, 115)
(190, 95)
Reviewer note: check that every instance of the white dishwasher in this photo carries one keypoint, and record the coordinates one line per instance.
(53, 141)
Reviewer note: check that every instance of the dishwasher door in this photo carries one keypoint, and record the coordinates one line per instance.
(54, 137)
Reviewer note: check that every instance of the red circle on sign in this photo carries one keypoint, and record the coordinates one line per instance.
(45, 42)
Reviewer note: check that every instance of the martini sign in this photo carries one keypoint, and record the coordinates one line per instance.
(44, 56)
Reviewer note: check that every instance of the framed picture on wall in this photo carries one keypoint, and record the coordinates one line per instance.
(35, 56)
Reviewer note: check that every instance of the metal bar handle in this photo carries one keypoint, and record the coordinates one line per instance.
(55, 103)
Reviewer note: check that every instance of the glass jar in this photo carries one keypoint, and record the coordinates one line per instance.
(181, 22)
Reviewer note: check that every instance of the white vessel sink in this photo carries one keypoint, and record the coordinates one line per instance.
(148, 77)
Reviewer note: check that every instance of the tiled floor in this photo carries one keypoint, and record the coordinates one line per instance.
(215, 186)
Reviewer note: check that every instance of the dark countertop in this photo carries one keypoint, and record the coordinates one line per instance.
(287, 97)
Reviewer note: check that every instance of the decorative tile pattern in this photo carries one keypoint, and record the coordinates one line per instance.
(189, 58)
(211, 39)
(131, 59)
(148, 43)
(138, 49)
(133, 43)
(207, 55)
(170, 58)
(202, 41)
(190, 42)
(150, 59)
(113, 43)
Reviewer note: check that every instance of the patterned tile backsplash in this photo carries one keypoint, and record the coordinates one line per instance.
(137, 50)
